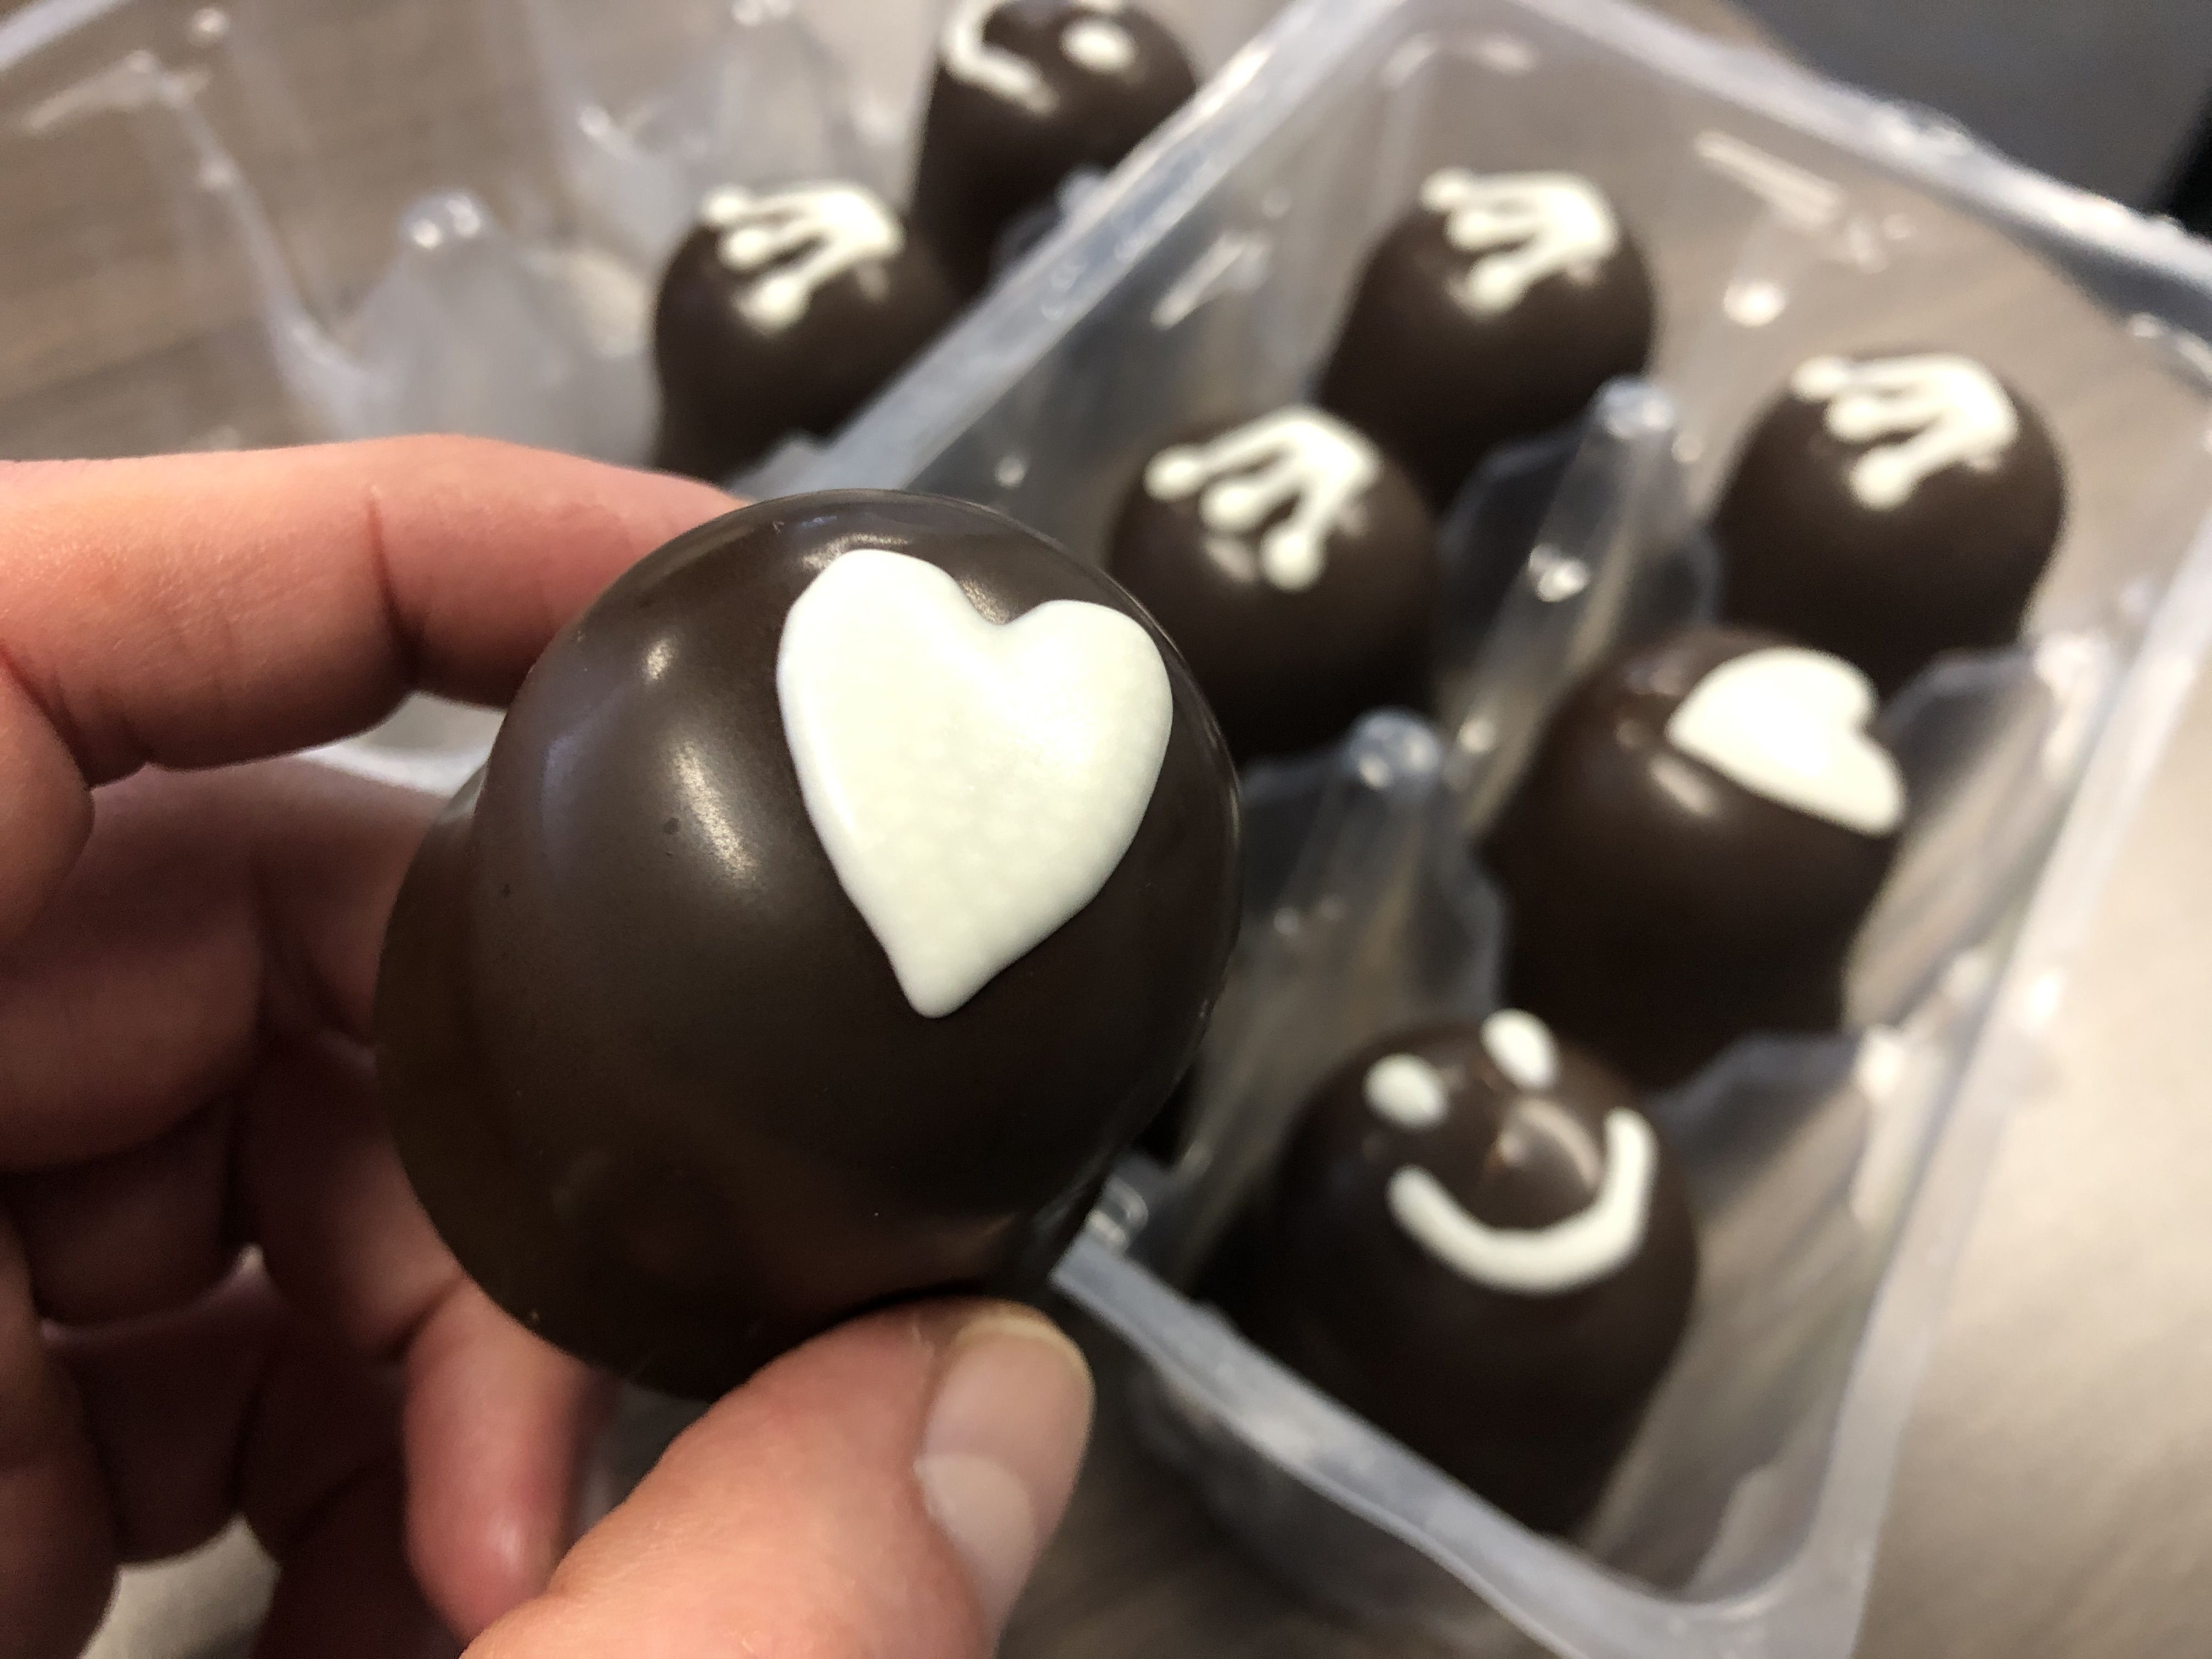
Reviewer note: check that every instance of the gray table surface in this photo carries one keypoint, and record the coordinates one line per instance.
(2055, 1497)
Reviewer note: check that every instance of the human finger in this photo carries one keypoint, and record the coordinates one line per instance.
(886, 1488)
(57, 1546)
(193, 611)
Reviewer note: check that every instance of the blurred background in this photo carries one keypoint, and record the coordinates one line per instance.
(2115, 95)
(2111, 94)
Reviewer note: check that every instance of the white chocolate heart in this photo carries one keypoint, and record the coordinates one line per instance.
(974, 784)
(1790, 724)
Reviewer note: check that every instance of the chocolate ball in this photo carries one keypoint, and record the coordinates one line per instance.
(784, 312)
(1294, 566)
(1027, 93)
(846, 889)
(1889, 508)
(1162, 1138)
(1702, 829)
(1494, 313)
(1478, 1243)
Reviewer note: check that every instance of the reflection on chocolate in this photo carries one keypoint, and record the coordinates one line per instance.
(1494, 313)
(1478, 1242)
(785, 312)
(810, 940)
(1702, 831)
(1296, 568)
(1028, 92)
(1890, 508)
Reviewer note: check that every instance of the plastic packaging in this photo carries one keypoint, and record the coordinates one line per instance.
(1836, 1177)
(253, 223)
(228, 303)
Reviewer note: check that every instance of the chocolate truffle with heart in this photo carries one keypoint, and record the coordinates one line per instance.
(1296, 568)
(1478, 1242)
(1494, 313)
(1703, 827)
(846, 889)
(1889, 508)
(784, 312)
(1027, 93)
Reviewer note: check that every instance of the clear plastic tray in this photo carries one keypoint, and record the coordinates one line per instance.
(257, 222)
(175, 174)
(1836, 1178)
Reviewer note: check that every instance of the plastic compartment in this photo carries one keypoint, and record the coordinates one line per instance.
(1802, 1150)
(1837, 1178)
(253, 223)
(181, 171)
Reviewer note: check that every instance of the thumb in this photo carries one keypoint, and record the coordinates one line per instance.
(884, 1489)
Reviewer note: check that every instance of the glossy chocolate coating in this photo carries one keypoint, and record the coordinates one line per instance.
(1952, 568)
(988, 162)
(1440, 385)
(1287, 670)
(1529, 1399)
(731, 390)
(1659, 910)
(649, 1069)
(1163, 1136)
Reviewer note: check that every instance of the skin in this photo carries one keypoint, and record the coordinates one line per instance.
(189, 934)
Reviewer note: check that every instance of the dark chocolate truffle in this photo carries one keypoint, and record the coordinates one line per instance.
(1703, 827)
(1478, 1242)
(1027, 93)
(846, 890)
(784, 313)
(1889, 508)
(1296, 568)
(1494, 313)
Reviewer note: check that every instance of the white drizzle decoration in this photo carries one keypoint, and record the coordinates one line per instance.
(1098, 42)
(1790, 724)
(1948, 410)
(1568, 1255)
(1298, 457)
(1522, 1047)
(974, 784)
(799, 241)
(1406, 1091)
(1527, 227)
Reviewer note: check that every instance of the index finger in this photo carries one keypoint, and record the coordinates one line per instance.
(195, 611)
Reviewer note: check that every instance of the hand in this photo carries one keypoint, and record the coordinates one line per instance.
(189, 937)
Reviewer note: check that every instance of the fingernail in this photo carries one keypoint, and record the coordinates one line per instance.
(1001, 1447)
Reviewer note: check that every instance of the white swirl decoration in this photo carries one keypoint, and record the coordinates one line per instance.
(1298, 457)
(1946, 412)
(797, 242)
(1592, 1244)
(1790, 725)
(1526, 227)
(1097, 41)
